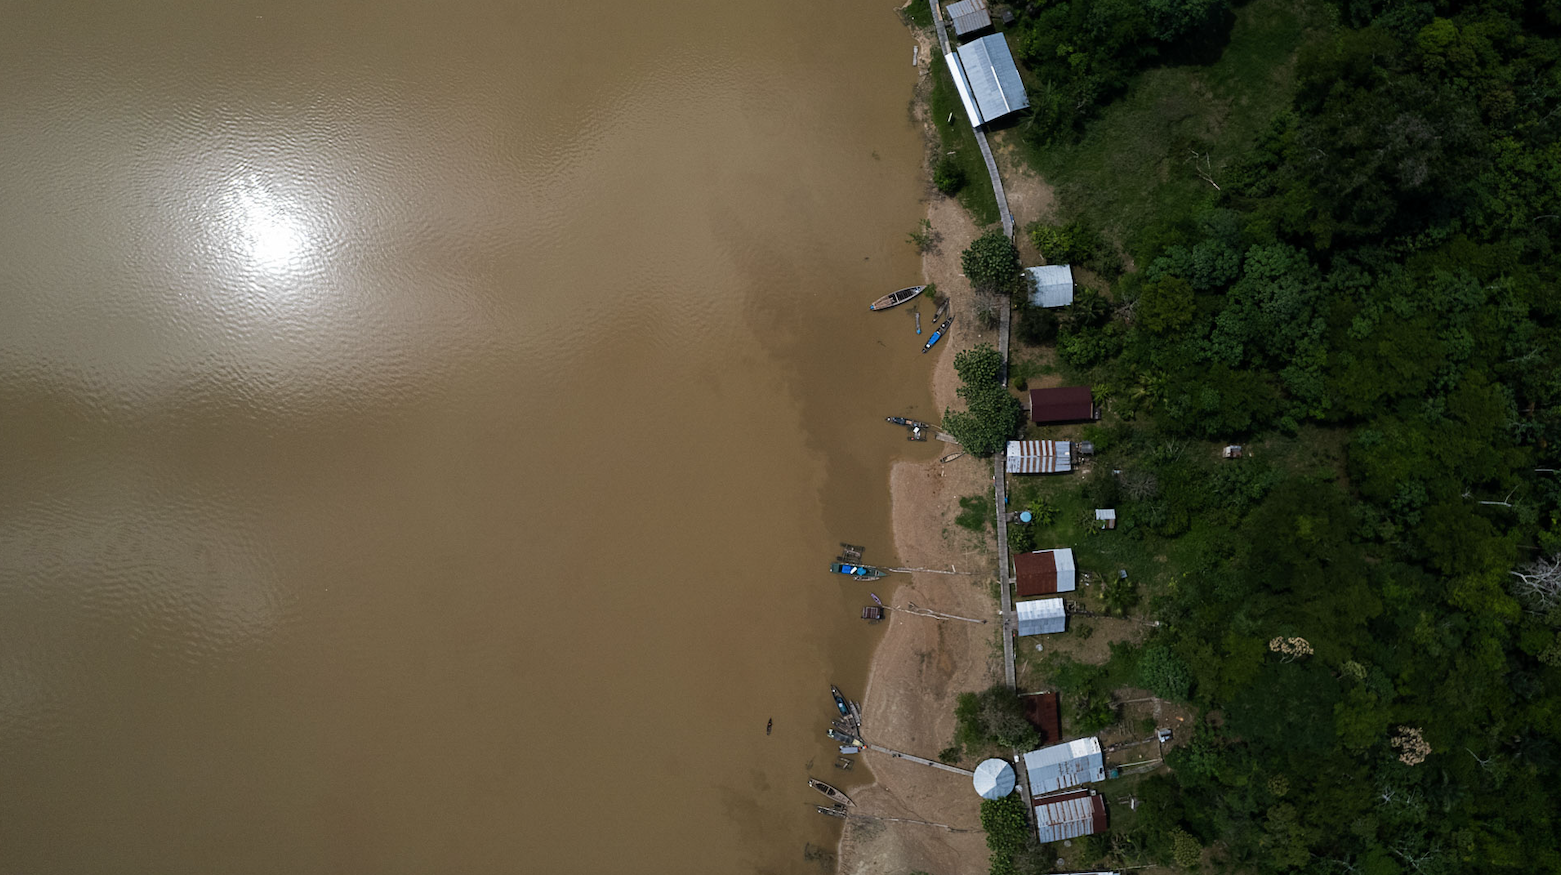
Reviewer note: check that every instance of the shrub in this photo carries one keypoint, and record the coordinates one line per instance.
(948, 176)
(993, 717)
(991, 263)
(1164, 673)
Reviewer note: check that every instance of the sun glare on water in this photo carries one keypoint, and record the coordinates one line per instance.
(268, 230)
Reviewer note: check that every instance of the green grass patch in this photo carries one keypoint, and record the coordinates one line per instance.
(918, 13)
(1135, 164)
(974, 512)
(959, 139)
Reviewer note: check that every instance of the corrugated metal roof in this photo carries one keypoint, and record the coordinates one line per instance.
(1053, 285)
(1069, 816)
(1045, 572)
(1039, 457)
(969, 16)
(1045, 714)
(963, 87)
(1065, 765)
(1062, 404)
(992, 77)
(1041, 617)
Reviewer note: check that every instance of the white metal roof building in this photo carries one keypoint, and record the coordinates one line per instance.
(1052, 285)
(987, 79)
(1065, 765)
(1041, 617)
(1039, 457)
(969, 16)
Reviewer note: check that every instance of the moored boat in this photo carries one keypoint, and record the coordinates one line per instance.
(860, 572)
(840, 701)
(831, 792)
(895, 299)
(832, 812)
(938, 335)
(908, 423)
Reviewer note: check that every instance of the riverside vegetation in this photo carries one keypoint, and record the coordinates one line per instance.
(1344, 221)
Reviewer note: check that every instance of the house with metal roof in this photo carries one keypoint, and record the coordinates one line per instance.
(1051, 285)
(968, 17)
(1045, 572)
(1061, 766)
(1041, 617)
(987, 79)
(1069, 815)
(1061, 404)
(1038, 457)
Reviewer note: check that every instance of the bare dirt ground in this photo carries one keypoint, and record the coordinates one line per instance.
(923, 664)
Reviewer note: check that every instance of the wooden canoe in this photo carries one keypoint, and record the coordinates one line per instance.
(895, 299)
(831, 792)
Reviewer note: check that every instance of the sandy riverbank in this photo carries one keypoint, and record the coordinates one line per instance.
(922, 665)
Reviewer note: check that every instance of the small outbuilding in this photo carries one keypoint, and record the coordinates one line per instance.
(987, 79)
(994, 779)
(1069, 815)
(1061, 766)
(1051, 285)
(1106, 517)
(969, 17)
(1038, 457)
(1045, 572)
(1062, 404)
(1044, 712)
(1041, 617)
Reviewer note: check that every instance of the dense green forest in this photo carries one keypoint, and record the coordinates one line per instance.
(1371, 634)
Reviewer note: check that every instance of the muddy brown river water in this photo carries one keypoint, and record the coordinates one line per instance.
(424, 427)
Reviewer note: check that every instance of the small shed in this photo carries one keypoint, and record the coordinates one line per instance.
(1041, 617)
(1046, 572)
(1044, 712)
(1061, 766)
(1232, 452)
(1106, 517)
(1062, 404)
(1038, 457)
(1069, 815)
(969, 17)
(987, 79)
(1051, 285)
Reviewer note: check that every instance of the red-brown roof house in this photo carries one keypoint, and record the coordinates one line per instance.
(1070, 815)
(1045, 572)
(1044, 713)
(1062, 404)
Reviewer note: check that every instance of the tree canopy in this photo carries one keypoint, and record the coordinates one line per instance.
(1369, 300)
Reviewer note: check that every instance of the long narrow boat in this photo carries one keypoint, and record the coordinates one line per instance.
(831, 792)
(908, 423)
(860, 572)
(832, 812)
(938, 335)
(895, 299)
(840, 701)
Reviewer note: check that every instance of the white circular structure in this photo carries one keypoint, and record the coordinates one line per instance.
(994, 779)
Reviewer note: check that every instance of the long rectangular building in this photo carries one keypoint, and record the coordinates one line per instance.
(987, 79)
(1039, 457)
